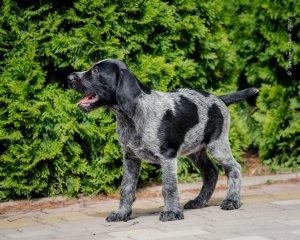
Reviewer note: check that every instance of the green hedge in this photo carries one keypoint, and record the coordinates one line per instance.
(49, 147)
(266, 37)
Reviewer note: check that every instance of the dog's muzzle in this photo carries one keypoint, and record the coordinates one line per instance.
(90, 99)
(73, 80)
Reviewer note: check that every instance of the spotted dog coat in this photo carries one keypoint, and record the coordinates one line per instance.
(158, 127)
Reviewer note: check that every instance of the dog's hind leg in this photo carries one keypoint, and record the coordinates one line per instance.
(220, 150)
(209, 173)
(131, 171)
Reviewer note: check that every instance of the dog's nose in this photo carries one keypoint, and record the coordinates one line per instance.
(73, 77)
(73, 80)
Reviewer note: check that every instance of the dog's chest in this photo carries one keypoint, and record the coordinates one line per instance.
(128, 136)
(137, 142)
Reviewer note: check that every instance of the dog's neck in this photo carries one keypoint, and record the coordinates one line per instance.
(138, 115)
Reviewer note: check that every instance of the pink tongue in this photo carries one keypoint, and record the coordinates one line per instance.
(87, 99)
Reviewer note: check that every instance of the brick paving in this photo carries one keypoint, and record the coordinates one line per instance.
(270, 210)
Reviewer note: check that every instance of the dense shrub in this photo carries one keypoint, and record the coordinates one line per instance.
(266, 37)
(49, 147)
(278, 118)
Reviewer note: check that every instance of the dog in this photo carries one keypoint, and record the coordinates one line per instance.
(158, 127)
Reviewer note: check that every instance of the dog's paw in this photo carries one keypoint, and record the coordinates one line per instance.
(229, 204)
(170, 216)
(118, 217)
(194, 204)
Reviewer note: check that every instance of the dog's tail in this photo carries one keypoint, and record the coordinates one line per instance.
(239, 96)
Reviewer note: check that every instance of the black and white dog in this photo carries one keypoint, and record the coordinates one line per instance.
(161, 126)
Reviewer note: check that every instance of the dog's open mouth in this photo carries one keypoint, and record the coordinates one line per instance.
(88, 99)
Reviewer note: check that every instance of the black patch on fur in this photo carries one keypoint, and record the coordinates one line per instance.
(173, 127)
(145, 89)
(147, 154)
(205, 94)
(214, 124)
(127, 91)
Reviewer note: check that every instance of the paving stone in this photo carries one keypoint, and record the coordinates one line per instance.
(297, 232)
(82, 236)
(2, 237)
(76, 215)
(70, 227)
(249, 238)
(154, 234)
(23, 222)
(146, 234)
(50, 219)
(276, 234)
(287, 202)
(269, 229)
(185, 238)
(219, 236)
(38, 238)
(32, 233)
(294, 222)
(287, 195)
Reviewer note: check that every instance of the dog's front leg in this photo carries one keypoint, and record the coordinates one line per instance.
(131, 171)
(172, 210)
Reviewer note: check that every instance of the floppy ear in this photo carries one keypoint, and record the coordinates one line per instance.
(128, 89)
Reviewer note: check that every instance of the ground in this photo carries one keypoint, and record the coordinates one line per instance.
(270, 210)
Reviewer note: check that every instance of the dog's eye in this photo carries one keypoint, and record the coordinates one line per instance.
(95, 69)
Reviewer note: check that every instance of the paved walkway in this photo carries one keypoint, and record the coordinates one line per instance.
(270, 210)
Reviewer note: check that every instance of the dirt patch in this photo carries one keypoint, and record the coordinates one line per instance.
(253, 165)
(51, 203)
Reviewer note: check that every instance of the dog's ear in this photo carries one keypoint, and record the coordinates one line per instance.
(128, 89)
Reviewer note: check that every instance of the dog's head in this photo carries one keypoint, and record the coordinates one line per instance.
(107, 83)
